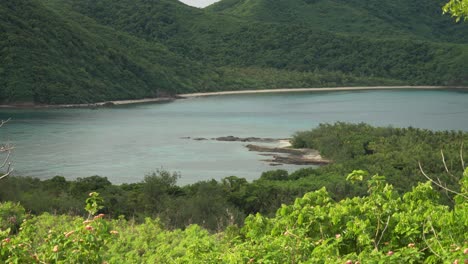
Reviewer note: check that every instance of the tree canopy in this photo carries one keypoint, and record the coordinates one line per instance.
(457, 8)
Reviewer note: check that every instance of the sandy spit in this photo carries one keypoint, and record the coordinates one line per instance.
(325, 89)
(93, 105)
(190, 95)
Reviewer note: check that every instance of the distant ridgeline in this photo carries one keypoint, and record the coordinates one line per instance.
(81, 51)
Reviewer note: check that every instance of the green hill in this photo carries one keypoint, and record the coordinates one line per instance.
(47, 58)
(79, 51)
(419, 19)
(222, 40)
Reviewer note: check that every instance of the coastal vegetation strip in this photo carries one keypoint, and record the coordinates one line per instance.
(394, 152)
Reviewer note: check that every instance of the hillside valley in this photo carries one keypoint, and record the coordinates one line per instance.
(81, 51)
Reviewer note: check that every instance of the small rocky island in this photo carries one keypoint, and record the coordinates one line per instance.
(279, 154)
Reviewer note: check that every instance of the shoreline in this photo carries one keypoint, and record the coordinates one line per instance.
(239, 92)
(91, 105)
(324, 89)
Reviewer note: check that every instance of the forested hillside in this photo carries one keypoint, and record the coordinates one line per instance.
(51, 58)
(80, 51)
(220, 41)
(420, 19)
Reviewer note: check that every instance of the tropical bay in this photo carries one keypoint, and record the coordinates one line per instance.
(125, 143)
(234, 131)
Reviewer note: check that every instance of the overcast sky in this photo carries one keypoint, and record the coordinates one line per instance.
(199, 3)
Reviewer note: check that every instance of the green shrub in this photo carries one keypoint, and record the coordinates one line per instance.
(11, 216)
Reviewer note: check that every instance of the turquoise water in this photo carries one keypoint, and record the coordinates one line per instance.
(125, 143)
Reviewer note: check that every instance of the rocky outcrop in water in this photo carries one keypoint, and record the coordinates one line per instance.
(294, 156)
(237, 139)
(278, 155)
(247, 139)
(292, 151)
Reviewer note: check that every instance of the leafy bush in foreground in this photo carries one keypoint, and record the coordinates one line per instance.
(58, 239)
(379, 228)
(382, 227)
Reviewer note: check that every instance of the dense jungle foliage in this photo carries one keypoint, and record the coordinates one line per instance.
(80, 51)
(382, 227)
(416, 19)
(224, 40)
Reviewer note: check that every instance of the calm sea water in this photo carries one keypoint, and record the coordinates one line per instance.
(125, 143)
